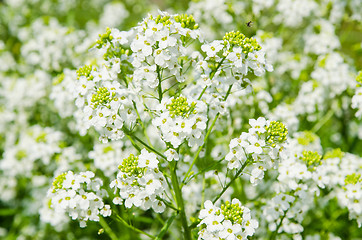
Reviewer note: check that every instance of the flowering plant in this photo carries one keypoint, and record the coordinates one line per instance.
(181, 126)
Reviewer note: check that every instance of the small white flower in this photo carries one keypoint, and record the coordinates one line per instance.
(257, 125)
(212, 48)
(158, 206)
(106, 211)
(147, 159)
(230, 230)
(171, 155)
(71, 181)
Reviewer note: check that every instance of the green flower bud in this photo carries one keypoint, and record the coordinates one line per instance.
(307, 138)
(180, 107)
(58, 181)
(232, 212)
(312, 159)
(276, 132)
(352, 179)
(335, 153)
(237, 39)
(187, 21)
(85, 71)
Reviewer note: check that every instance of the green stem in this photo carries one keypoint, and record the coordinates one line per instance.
(179, 200)
(159, 87)
(231, 181)
(323, 121)
(275, 233)
(166, 227)
(133, 143)
(131, 136)
(106, 227)
(217, 68)
(194, 224)
(141, 123)
(205, 170)
(206, 137)
(133, 228)
(201, 147)
(211, 77)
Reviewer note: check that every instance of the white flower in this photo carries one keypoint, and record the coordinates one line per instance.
(213, 223)
(250, 226)
(257, 125)
(142, 45)
(230, 230)
(71, 181)
(158, 206)
(212, 48)
(165, 40)
(255, 145)
(147, 159)
(106, 211)
(209, 209)
(161, 57)
(171, 155)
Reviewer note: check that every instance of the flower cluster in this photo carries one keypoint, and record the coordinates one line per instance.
(357, 98)
(352, 196)
(140, 182)
(180, 119)
(105, 103)
(159, 43)
(259, 147)
(106, 156)
(79, 195)
(174, 95)
(238, 53)
(36, 143)
(229, 221)
(302, 172)
(276, 209)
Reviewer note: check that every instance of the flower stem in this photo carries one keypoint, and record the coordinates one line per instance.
(323, 121)
(231, 181)
(275, 233)
(106, 227)
(200, 148)
(206, 137)
(165, 227)
(131, 137)
(159, 87)
(179, 200)
(133, 228)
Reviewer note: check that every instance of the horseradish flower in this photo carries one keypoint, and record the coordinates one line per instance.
(260, 147)
(139, 182)
(78, 195)
(231, 221)
(181, 120)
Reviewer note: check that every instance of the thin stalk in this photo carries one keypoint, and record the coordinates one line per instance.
(145, 144)
(206, 137)
(141, 123)
(275, 233)
(204, 170)
(231, 181)
(211, 77)
(168, 204)
(180, 201)
(133, 227)
(159, 87)
(133, 143)
(166, 227)
(200, 148)
(323, 121)
(194, 224)
(107, 229)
